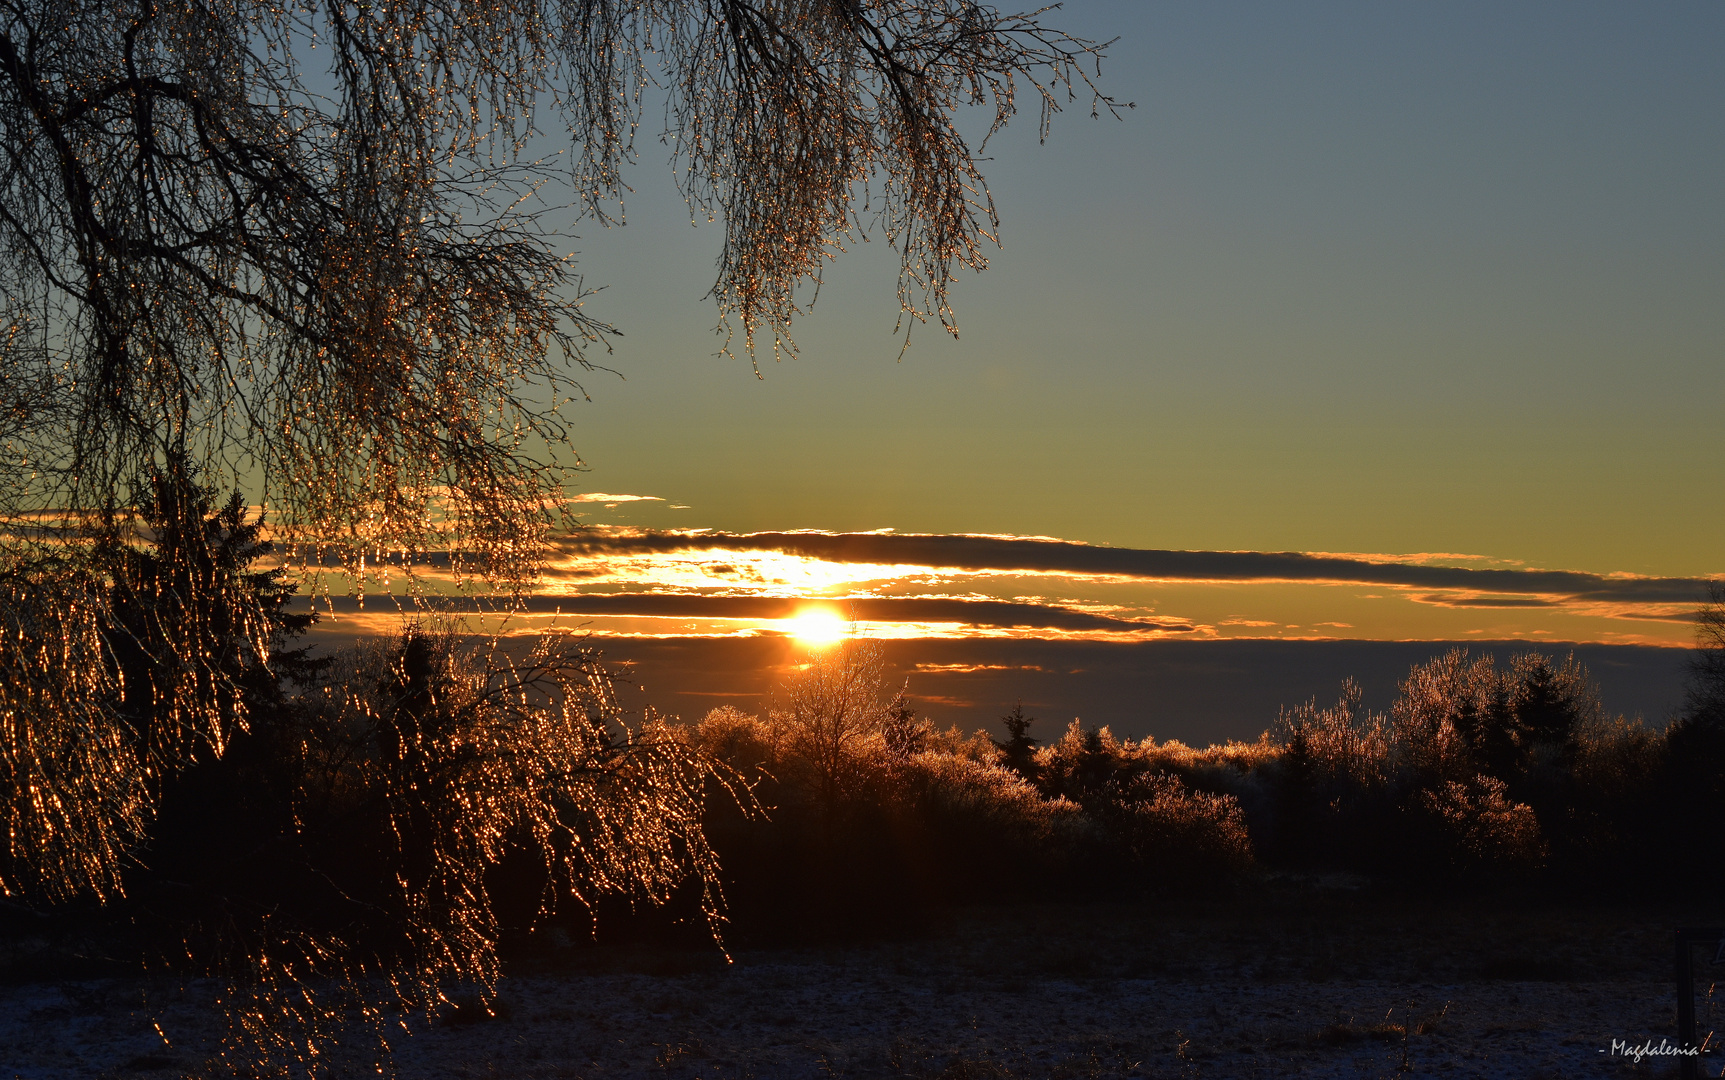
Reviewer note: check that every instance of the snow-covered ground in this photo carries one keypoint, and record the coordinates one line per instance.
(983, 1000)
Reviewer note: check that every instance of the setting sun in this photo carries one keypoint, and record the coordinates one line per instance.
(816, 627)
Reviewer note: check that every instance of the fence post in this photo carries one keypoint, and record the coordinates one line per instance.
(1689, 1065)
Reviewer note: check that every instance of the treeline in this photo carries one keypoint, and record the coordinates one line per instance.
(1481, 775)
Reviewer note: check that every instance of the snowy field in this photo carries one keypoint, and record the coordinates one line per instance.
(1086, 992)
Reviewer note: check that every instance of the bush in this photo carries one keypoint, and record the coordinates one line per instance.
(1081, 764)
(1174, 836)
(1693, 773)
(1341, 747)
(1478, 774)
(1438, 719)
(1483, 833)
(1329, 786)
(1619, 799)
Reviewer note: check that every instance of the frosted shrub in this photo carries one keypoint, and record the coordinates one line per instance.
(1342, 743)
(1080, 763)
(1173, 833)
(1483, 830)
(1440, 714)
(736, 738)
(1330, 786)
(1617, 756)
(828, 726)
(912, 815)
(1621, 794)
(990, 798)
(1458, 716)
(1231, 768)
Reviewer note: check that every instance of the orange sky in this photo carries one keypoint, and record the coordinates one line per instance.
(625, 582)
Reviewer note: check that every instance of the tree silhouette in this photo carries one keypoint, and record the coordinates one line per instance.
(831, 710)
(296, 247)
(1695, 765)
(1020, 746)
(293, 250)
(1705, 697)
(173, 636)
(298, 250)
(193, 624)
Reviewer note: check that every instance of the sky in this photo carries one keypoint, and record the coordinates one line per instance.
(1402, 322)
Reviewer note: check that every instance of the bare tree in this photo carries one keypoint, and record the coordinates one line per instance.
(293, 250)
(831, 713)
(289, 245)
(299, 250)
(1705, 704)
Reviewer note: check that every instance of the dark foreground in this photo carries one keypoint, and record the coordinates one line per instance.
(1320, 980)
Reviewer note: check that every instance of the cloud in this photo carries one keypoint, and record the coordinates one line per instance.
(1685, 617)
(1449, 601)
(946, 700)
(601, 497)
(969, 669)
(989, 613)
(1043, 556)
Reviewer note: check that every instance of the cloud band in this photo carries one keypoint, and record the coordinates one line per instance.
(995, 553)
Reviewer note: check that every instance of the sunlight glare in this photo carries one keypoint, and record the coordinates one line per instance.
(817, 627)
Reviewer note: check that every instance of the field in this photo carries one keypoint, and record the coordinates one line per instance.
(1316, 977)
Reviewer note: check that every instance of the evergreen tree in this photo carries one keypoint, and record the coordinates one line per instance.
(1019, 747)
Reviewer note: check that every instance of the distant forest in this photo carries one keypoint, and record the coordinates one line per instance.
(1486, 773)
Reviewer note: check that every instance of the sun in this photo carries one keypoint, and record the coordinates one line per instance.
(816, 627)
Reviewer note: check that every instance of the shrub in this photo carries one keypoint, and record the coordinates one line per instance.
(1339, 747)
(1693, 773)
(1080, 764)
(1175, 836)
(874, 815)
(1437, 719)
(1329, 785)
(1456, 717)
(986, 827)
(1618, 804)
(1481, 831)
(738, 739)
(899, 815)
(1477, 774)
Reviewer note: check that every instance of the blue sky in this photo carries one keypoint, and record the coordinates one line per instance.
(1421, 285)
(1369, 278)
